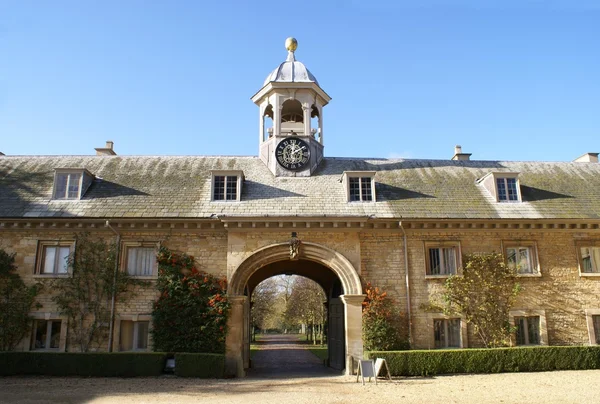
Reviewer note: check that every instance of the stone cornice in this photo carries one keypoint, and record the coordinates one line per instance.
(285, 223)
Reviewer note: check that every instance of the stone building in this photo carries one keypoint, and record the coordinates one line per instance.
(401, 224)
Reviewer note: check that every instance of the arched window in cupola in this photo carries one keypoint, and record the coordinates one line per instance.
(268, 122)
(292, 117)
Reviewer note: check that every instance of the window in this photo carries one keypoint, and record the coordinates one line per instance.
(507, 189)
(360, 189)
(134, 335)
(67, 185)
(46, 334)
(139, 259)
(528, 330)
(360, 186)
(503, 186)
(522, 259)
(596, 324)
(590, 259)
(442, 259)
(53, 258)
(226, 185)
(447, 333)
(593, 325)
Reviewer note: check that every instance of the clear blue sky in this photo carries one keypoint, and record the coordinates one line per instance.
(508, 80)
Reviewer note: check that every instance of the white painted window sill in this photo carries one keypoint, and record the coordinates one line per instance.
(590, 274)
(536, 275)
(438, 276)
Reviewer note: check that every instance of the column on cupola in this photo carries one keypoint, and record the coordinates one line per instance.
(261, 123)
(277, 114)
(306, 116)
(320, 108)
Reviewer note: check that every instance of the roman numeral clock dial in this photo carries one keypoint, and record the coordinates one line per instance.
(292, 154)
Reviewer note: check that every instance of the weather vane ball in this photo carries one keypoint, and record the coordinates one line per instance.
(291, 44)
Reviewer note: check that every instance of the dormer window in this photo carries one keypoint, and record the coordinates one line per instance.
(360, 186)
(504, 187)
(71, 184)
(227, 185)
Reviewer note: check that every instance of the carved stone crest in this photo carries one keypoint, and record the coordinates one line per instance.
(294, 248)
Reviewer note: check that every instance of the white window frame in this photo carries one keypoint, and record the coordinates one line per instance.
(360, 175)
(589, 317)
(427, 245)
(127, 246)
(432, 317)
(47, 317)
(135, 318)
(595, 265)
(227, 173)
(41, 258)
(513, 314)
(534, 261)
(489, 182)
(68, 172)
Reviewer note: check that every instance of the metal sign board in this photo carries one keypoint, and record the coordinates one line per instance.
(366, 368)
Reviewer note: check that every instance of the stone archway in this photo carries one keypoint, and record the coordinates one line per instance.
(237, 343)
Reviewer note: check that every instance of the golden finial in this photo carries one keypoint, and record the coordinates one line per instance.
(291, 44)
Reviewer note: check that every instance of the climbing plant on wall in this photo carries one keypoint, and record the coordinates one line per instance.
(191, 312)
(385, 328)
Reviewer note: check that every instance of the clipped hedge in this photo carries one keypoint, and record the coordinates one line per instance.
(121, 364)
(205, 365)
(499, 360)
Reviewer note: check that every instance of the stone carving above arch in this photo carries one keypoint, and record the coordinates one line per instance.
(333, 260)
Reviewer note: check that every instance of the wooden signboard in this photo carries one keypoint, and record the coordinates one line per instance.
(366, 368)
(381, 364)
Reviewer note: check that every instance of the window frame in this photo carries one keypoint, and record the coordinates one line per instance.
(427, 245)
(543, 328)
(47, 317)
(533, 256)
(586, 244)
(127, 246)
(589, 317)
(41, 256)
(135, 318)
(490, 182)
(83, 173)
(360, 175)
(463, 336)
(227, 173)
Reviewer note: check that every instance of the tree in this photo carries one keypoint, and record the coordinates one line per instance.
(267, 306)
(16, 300)
(85, 296)
(484, 295)
(191, 312)
(384, 327)
(305, 305)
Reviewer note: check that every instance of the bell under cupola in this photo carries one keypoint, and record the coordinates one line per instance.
(291, 118)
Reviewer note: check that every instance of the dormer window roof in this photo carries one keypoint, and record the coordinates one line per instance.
(359, 185)
(71, 183)
(505, 187)
(226, 185)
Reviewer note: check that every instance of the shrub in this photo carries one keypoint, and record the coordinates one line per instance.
(493, 360)
(203, 365)
(191, 312)
(122, 364)
(384, 327)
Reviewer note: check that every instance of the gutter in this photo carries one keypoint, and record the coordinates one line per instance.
(111, 325)
(407, 284)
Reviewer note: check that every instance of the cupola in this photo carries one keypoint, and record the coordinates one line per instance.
(291, 118)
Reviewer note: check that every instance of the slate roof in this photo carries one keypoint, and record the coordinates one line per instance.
(169, 187)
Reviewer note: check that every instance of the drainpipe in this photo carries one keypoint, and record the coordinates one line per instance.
(111, 325)
(407, 284)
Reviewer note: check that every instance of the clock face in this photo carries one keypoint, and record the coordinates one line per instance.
(292, 153)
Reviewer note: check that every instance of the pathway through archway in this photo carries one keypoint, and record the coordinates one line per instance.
(284, 356)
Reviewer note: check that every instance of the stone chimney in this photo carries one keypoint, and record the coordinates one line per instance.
(587, 158)
(106, 150)
(459, 155)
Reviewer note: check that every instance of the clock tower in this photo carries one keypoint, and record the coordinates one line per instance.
(291, 118)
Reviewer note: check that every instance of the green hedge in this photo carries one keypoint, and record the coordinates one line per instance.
(204, 365)
(122, 364)
(523, 359)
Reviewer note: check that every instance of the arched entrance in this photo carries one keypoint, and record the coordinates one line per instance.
(305, 259)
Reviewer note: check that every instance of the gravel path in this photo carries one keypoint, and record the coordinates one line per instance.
(280, 376)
